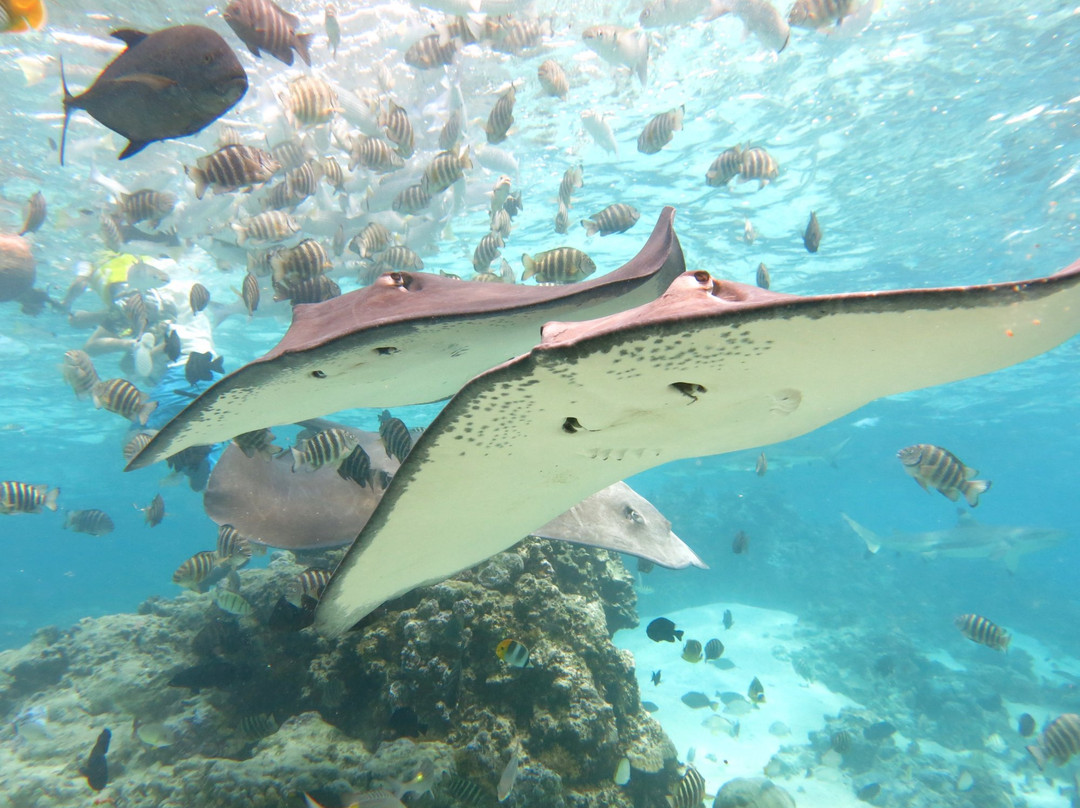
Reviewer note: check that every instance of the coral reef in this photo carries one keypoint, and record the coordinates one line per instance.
(211, 709)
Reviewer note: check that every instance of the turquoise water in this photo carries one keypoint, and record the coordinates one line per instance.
(940, 146)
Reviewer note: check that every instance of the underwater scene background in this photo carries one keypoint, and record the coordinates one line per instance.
(938, 144)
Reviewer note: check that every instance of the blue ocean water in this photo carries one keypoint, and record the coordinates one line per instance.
(939, 146)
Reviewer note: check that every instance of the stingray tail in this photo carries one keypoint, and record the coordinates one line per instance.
(68, 102)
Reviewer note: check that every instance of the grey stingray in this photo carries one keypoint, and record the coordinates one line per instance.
(711, 367)
(409, 338)
(267, 502)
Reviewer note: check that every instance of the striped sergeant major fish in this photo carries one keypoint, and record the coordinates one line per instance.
(689, 791)
(16, 497)
(1059, 742)
(328, 446)
(934, 467)
(982, 631)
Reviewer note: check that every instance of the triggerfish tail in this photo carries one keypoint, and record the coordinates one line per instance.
(18, 16)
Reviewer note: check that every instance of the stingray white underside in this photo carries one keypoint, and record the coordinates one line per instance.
(526, 440)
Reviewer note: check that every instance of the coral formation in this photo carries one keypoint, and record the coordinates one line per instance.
(211, 709)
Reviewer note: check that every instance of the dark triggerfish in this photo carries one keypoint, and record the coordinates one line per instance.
(167, 84)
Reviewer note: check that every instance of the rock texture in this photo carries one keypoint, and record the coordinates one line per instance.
(264, 716)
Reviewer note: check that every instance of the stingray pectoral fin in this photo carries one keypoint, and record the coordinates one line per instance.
(613, 377)
(408, 338)
(619, 518)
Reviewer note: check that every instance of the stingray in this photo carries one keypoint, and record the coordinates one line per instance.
(409, 338)
(269, 504)
(710, 367)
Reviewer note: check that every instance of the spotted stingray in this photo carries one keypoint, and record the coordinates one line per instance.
(409, 338)
(712, 366)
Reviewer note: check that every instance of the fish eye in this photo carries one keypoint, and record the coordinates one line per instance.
(208, 58)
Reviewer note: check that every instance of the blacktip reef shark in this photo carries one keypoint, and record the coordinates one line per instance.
(969, 539)
(409, 338)
(711, 366)
(263, 499)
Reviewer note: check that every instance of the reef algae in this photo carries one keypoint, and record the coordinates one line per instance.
(241, 715)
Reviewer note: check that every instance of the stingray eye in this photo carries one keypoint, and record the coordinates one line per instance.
(318, 374)
(702, 277)
(401, 279)
(633, 516)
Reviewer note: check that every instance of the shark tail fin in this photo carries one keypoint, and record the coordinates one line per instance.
(972, 489)
(873, 542)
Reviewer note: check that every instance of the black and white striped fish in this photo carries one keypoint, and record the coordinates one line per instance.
(123, 398)
(145, 205)
(306, 260)
(561, 265)
(231, 168)
(373, 153)
(399, 131)
(155, 511)
(445, 168)
(16, 497)
(724, 168)
(307, 290)
(79, 372)
(616, 218)
(487, 251)
(196, 569)
(198, 297)
(1059, 742)
(934, 467)
(411, 199)
(395, 436)
(501, 117)
(310, 100)
(553, 79)
(328, 446)
(271, 225)
(431, 51)
(984, 632)
(92, 521)
(757, 164)
(356, 467)
(263, 25)
(658, 131)
(309, 583)
(249, 293)
(689, 791)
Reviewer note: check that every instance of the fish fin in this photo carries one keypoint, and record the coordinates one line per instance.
(530, 266)
(1040, 756)
(50, 498)
(69, 100)
(133, 147)
(303, 47)
(129, 36)
(972, 489)
(590, 227)
(199, 177)
(145, 410)
(873, 543)
(218, 365)
(952, 493)
(151, 81)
